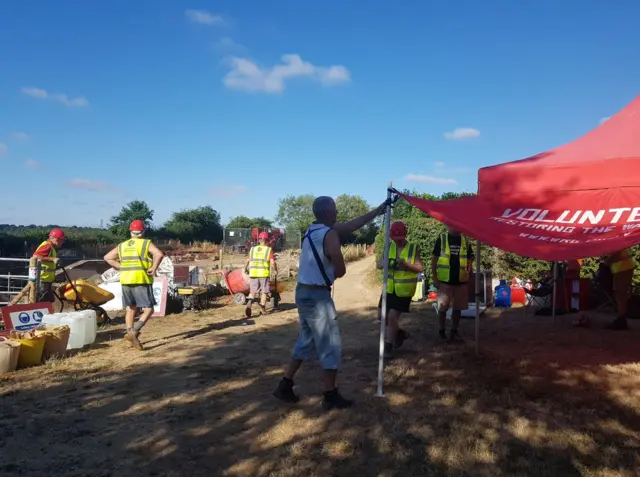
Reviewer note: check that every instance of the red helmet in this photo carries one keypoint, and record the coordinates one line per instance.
(398, 231)
(263, 236)
(56, 233)
(137, 226)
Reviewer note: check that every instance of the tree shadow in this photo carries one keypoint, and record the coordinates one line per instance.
(203, 406)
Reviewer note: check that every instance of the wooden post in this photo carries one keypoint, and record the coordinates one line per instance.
(16, 299)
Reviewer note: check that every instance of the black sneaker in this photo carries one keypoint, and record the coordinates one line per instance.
(455, 336)
(334, 400)
(388, 350)
(443, 334)
(285, 393)
(619, 323)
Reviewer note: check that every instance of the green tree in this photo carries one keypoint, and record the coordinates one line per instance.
(201, 223)
(135, 210)
(296, 212)
(352, 206)
(244, 222)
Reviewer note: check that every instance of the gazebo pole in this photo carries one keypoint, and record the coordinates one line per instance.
(478, 246)
(555, 288)
(383, 305)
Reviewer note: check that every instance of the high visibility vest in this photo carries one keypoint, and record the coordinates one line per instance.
(623, 264)
(48, 269)
(260, 261)
(444, 260)
(402, 282)
(135, 260)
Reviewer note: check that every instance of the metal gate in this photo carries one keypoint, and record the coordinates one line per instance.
(241, 240)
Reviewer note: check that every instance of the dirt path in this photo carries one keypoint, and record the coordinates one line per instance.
(197, 401)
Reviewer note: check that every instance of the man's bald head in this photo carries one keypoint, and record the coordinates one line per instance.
(324, 210)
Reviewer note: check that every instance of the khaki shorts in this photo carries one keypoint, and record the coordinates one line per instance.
(259, 285)
(455, 297)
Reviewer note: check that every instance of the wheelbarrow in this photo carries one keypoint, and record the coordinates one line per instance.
(237, 283)
(84, 296)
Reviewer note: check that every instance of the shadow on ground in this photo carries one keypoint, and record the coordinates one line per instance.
(210, 412)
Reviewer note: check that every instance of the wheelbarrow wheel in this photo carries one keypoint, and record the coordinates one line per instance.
(101, 316)
(240, 299)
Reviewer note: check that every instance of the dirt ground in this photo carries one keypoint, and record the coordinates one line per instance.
(543, 399)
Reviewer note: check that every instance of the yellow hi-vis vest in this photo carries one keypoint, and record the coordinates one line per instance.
(402, 282)
(624, 263)
(48, 269)
(260, 261)
(135, 260)
(444, 260)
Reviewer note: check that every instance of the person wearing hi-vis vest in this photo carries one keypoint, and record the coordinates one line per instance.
(450, 270)
(258, 265)
(404, 267)
(137, 259)
(47, 254)
(622, 267)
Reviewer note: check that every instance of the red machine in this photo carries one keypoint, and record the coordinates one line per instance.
(275, 241)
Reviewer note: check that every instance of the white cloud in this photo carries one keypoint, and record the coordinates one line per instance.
(3, 149)
(604, 120)
(203, 17)
(87, 184)
(77, 102)
(19, 136)
(245, 75)
(429, 179)
(462, 134)
(32, 163)
(227, 192)
(439, 164)
(226, 45)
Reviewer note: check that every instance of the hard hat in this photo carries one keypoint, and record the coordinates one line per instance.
(137, 226)
(56, 233)
(263, 236)
(398, 231)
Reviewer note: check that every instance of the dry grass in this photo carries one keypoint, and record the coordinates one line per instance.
(351, 253)
(543, 400)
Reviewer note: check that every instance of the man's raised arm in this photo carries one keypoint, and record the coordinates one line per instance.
(359, 222)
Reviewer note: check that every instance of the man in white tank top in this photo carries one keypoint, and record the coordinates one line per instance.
(321, 262)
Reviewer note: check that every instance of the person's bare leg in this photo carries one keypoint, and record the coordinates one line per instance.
(455, 319)
(393, 325)
(129, 316)
(330, 378)
(247, 310)
(292, 369)
(263, 302)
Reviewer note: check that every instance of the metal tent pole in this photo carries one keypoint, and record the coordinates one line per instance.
(478, 248)
(555, 290)
(385, 277)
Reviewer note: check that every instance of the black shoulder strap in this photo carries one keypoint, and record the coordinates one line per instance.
(317, 257)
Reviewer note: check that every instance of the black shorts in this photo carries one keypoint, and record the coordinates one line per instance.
(394, 302)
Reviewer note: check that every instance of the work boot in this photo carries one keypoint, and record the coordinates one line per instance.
(263, 310)
(443, 334)
(454, 336)
(285, 393)
(334, 400)
(247, 310)
(132, 337)
(619, 323)
(388, 350)
(400, 337)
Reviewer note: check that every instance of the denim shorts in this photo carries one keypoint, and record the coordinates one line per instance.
(319, 329)
(140, 296)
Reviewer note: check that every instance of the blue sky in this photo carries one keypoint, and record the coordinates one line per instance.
(237, 104)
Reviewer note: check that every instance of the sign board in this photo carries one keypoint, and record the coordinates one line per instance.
(25, 317)
(160, 287)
